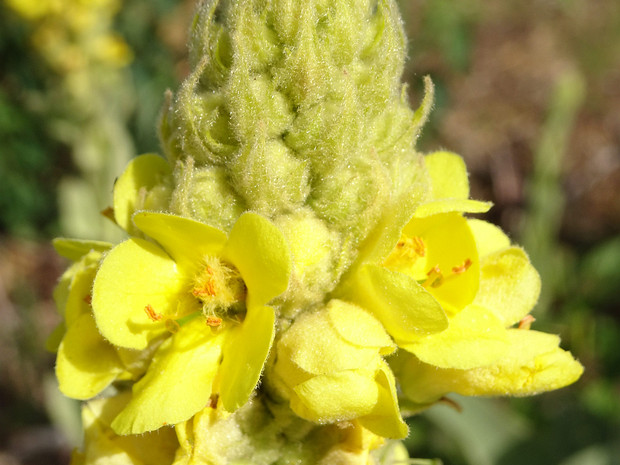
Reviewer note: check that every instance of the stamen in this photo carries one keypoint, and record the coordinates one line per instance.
(406, 252)
(154, 316)
(213, 400)
(462, 268)
(172, 325)
(214, 321)
(418, 246)
(208, 289)
(434, 277)
(88, 299)
(526, 322)
(451, 403)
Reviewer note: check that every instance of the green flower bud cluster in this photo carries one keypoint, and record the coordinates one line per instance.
(295, 108)
(296, 276)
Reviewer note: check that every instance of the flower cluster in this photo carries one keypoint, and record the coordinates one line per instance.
(296, 277)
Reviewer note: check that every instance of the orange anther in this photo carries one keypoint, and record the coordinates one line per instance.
(154, 316)
(526, 322)
(208, 289)
(434, 277)
(88, 299)
(462, 268)
(419, 246)
(213, 400)
(214, 321)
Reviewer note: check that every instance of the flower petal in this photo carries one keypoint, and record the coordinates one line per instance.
(142, 174)
(134, 275)
(475, 337)
(489, 238)
(340, 396)
(259, 251)
(452, 205)
(357, 326)
(178, 382)
(448, 176)
(509, 285)
(314, 345)
(404, 308)
(74, 249)
(79, 297)
(533, 364)
(102, 445)
(86, 363)
(187, 241)
(245, 351)
(385, 419)
(449, 245)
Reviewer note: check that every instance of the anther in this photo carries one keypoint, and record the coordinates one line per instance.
(154, 316)
(214, 321)
(418, 246)
(208, 290)
(434, 277)
(462, 268)
(526, 322)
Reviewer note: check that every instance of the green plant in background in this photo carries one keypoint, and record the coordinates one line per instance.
(297, 276)
(90, 101)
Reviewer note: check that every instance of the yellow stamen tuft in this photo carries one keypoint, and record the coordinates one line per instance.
(406, 252)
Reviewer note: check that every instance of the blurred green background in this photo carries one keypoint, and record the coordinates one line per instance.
(528, 92)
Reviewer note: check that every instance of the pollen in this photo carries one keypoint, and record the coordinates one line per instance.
(218, 286)
(208, 287)
(214, 321)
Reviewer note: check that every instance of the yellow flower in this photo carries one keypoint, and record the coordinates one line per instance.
(144, 185)
(86, 363)
(491, 287)
(207, 289)
(467, 272)
(329, 364)
(533, 364)
(155, 448)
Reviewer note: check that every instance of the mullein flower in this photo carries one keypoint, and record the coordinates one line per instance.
(329, 365)
(297, 275)
(86, 363)
(156, 448)
(145, 184)
(206, 295)
(264, 433)
(496, 287)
